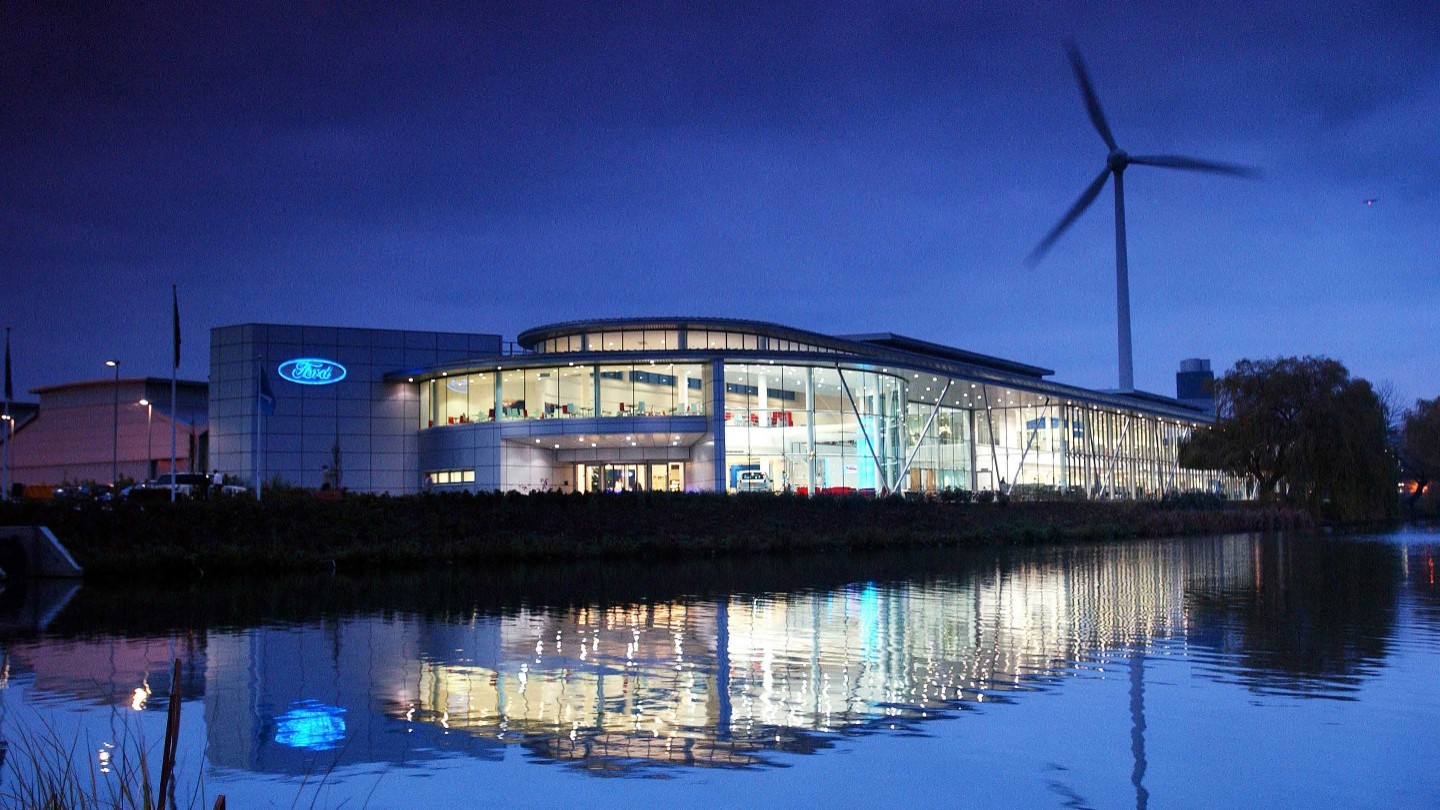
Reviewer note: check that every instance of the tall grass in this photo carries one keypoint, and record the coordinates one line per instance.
(46, 773)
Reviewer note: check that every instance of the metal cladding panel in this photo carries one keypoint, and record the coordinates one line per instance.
(377, 421)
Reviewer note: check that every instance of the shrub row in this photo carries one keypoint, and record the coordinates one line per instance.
(295, 531)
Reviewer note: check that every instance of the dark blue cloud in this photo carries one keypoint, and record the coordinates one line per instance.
(848, 167)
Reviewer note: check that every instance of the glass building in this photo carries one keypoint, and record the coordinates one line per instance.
(706, 404)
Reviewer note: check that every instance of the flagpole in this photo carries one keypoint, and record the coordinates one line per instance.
(174, 372)
(9, 425)
(259, 422)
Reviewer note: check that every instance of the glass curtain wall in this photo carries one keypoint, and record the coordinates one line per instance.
(799, 429)
(1066, 450)
(943, 459)
(458, 399)
(560, 392)
(651, 389)
(1022, 448)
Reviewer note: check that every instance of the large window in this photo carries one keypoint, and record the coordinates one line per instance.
(575, 391)
(565, 392)
(457, 400)
(799, 427)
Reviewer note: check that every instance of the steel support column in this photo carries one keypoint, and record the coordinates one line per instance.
(879, 470)
(1028, 442)
(925, 431)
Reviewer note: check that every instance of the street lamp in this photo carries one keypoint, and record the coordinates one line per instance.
(9, 437)
(115, 428)
(149, 413)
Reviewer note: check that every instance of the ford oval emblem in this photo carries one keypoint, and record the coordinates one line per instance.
(312, 371)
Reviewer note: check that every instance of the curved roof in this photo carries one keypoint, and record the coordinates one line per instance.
(877, 348)
(532, 337)
(879, 344)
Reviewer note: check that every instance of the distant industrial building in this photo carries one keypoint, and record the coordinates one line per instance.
(1195, 385)
(86, 431)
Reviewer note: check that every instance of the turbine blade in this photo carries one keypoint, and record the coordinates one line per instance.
(1092, 102)
(1196, 164)
(1086, 197)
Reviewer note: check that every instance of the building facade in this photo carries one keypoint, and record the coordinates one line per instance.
(86, 432)
(733, 405)
(274, 419)
(687, 404)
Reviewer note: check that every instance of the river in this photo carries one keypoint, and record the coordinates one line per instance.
(1211, 672)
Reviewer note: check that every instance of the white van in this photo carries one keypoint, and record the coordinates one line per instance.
(752, 481)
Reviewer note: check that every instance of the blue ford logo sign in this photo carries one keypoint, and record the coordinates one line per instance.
(312, 371)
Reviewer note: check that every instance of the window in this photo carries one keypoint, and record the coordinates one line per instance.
(512, 395)
(617, 393)
(481, 389)
(449, 477)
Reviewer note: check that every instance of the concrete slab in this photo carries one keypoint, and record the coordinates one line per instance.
(34, 551)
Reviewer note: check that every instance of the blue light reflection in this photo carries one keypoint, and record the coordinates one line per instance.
(311, 725)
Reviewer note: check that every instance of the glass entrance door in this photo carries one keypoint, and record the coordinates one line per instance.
(654, 477)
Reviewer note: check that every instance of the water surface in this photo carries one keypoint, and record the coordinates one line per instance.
(1232, 671)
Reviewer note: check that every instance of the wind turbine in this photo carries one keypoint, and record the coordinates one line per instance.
(1115, 164)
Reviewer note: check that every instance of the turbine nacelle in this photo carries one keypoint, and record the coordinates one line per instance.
(1117, 160)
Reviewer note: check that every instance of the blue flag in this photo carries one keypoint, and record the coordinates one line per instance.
(175, 310)
(267, 397)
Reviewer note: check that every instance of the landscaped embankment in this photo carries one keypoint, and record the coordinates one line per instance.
(296, 532)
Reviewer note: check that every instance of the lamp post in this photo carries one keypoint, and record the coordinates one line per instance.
(149, 413)
(115, 428)
(9, 437)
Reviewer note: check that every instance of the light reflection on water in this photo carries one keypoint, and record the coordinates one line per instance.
(624, 670)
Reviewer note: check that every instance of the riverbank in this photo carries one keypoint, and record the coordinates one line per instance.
(296, 532)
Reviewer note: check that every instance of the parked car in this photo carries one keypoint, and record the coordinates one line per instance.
(186, 485)
(752, 481)
(82, 492)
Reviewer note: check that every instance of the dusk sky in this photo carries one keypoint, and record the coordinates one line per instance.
(844, 168)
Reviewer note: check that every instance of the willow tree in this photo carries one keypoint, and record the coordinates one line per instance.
(1420, 444)
(1303, 431)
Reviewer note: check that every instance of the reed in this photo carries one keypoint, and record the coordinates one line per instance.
(47, 774)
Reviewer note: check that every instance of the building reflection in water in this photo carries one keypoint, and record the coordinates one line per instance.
(721, 682)
(728, 680)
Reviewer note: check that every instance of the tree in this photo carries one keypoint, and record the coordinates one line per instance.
(1305, 432)
(1420, 445)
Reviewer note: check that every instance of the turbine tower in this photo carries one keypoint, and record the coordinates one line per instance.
(1115, 164)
